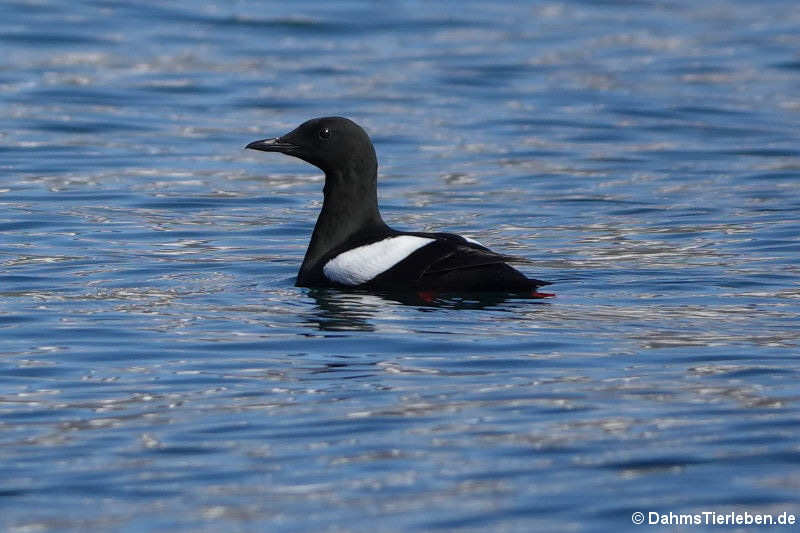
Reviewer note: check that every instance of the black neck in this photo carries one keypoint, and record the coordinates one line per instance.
(350, 206)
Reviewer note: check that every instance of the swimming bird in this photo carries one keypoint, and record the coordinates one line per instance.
(352, 247)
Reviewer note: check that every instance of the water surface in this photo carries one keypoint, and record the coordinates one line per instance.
(159, 371)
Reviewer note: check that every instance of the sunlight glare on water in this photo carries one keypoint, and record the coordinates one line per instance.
(159, 371)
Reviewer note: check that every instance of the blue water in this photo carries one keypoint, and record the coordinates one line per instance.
(159, 371)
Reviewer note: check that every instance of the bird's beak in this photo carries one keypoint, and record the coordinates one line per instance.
(271, 145)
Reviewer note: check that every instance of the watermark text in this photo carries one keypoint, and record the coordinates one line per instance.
(712, 518)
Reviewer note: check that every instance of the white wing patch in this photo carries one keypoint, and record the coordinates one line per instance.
(473, 241)
(361, 264)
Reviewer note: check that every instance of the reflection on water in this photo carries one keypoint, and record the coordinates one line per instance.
(160, 371)
(337, 310)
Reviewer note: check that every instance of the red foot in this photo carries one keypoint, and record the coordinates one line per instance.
(537, 294)
(426, 296)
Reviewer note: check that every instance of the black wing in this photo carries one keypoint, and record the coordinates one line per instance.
(451, 263)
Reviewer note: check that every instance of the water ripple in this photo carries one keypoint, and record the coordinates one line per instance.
(155, 351)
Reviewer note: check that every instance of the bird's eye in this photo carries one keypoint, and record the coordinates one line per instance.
(324, 133)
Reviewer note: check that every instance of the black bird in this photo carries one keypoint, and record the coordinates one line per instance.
(352, 247)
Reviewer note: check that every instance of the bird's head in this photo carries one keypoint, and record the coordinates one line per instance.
(336, 145)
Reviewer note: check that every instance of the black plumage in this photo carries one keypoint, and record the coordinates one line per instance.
(350, 220)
